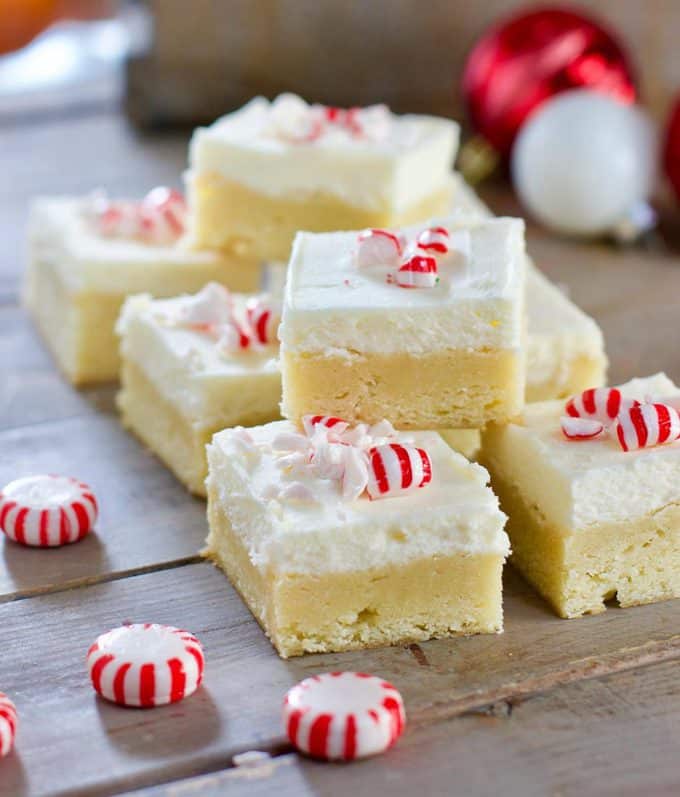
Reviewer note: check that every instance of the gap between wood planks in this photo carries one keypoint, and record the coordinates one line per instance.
(282, 754)
(102, 578)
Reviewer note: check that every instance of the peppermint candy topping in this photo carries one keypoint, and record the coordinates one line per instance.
(417, 261)
(331, 449)
(341, 716)
(8, 724)
(311, 423)
(379, 248)
(263, 320)
(434, 239)
(47, 511)
(206, 310)
(601, 403)
(159, 218)
(145, 664)
(397, 469)
(292, 119)
(420, 271)
(212, 312)
(647, 425)
(581, 428)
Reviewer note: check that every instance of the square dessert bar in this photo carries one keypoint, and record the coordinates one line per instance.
(259, 175)
(340, 538)
(590, 521)
(193, 365)
(424, 326)
(87, 254)
(565, 347)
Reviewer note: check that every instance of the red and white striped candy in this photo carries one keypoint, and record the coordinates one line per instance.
(581, 428)
(47, 510)
(162, 215)
(8, 724)
(234, 337)
(396, 469)
(647, 425)
(434, 239)
(340, 716)
(145, 665)
(379, 248)
(600, 403)
(311, 423)
(263, 320)
(420, 271)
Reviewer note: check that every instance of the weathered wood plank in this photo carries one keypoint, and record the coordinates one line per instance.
(31, 389)
(610, 736)
(147, 519)
(238, 709)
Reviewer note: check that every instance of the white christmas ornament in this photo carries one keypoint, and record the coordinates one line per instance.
(584, 163)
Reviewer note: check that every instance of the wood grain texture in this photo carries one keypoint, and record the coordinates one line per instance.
(238, 707)
(615, 736)
(32, 391)
(146, 518)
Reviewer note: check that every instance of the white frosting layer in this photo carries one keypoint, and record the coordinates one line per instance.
(391, 172)
(62, 233)
(333, 307)
(207, 385)
(580, 483)
(456, 512)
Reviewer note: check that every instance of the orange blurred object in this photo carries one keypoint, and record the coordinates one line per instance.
(22, 20)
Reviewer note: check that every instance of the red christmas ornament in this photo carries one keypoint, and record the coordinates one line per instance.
(529, 58)
(671, 154)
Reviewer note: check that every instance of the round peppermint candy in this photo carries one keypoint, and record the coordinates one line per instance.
(340, 716)
(145, 665)
(8, 724)
(46, 510)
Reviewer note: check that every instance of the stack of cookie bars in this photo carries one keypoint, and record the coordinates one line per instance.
(406, 320)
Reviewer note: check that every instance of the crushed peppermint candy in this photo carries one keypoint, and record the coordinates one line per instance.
(159, 218)
(604, 411)
(293, 120)
(414, 262)
(212, 311)
(329, 448)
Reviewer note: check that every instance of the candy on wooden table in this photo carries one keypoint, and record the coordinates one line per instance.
(145, 665)
(341, 716)
(8, 724)
(47, 510)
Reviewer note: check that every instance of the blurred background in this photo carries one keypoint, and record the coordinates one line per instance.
(187, 62)
(105, 92)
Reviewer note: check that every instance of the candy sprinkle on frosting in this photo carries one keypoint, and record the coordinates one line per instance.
(159, 218)
(647, 425)
(581, 428)
(419, 271)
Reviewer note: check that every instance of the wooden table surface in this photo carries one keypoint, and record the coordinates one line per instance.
(551, 707)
